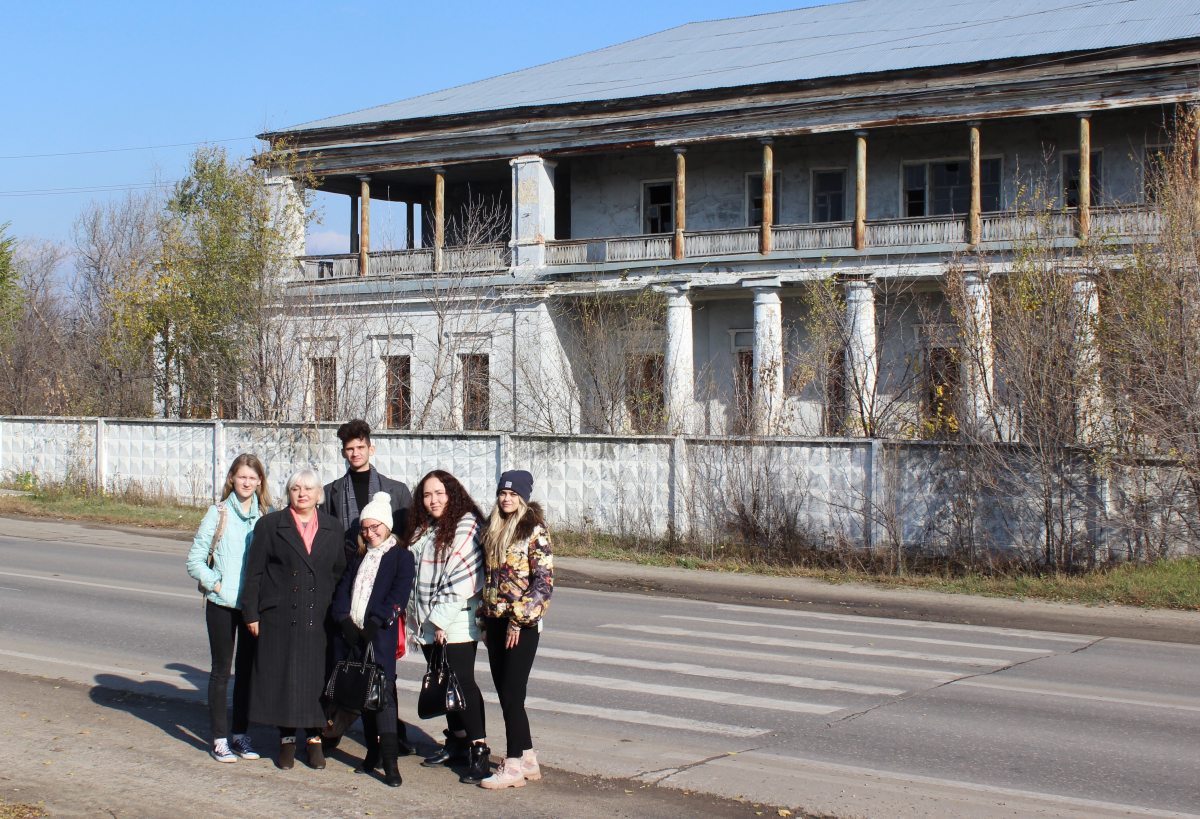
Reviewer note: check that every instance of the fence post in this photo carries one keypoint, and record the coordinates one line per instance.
(503, 454)
(870, 491)
(101, 454)
(677, 488)
(218, 459)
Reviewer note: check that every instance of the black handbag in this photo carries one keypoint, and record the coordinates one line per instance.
(440, 691)
(358, 686)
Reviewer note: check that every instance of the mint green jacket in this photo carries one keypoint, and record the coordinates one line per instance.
(229, 559)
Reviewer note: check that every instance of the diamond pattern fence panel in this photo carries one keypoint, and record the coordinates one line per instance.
(163, 457)
(470, 457)
(48, 448)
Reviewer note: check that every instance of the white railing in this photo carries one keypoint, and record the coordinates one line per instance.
(722, 242)
(566, 252)
(930, 230)
(471, 259)
(638, 249)
(1007, 226)
(821, 236)
(1132, 223)
(391, 262)
(343, 266)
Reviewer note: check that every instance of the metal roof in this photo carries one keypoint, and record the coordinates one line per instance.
(833, 40)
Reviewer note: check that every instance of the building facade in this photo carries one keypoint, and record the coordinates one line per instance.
(738, 226)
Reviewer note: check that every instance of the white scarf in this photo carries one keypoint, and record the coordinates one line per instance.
(364, 581)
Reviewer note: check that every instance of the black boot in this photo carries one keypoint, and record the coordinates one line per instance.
(454, 752)
(481, 764)
(287, 755)
(389, 746)
(402, 738)
(371, 758)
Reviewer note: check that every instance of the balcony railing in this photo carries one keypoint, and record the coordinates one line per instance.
(997, 228)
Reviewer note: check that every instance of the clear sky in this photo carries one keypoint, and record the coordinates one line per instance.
(88, 76)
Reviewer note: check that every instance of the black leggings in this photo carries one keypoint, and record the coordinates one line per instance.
(385, 720)
(510, 673)
(461, 657)
(224, 626)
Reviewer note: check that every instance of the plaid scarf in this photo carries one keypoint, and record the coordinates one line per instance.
(350, 504)
(456, 578)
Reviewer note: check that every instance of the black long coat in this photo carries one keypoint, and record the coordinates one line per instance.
(288, 592)
(386, 605)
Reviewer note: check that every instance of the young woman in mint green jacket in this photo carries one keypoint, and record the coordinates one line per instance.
(243, 501)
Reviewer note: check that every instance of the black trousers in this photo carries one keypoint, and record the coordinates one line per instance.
(225, 629)
(510, 673)
(461, 657)
(385, 720)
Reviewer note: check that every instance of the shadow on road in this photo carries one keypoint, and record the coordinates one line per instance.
(151, 702)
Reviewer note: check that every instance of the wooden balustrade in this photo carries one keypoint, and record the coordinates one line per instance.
(930, 230)
(820, 236)
(723, 242)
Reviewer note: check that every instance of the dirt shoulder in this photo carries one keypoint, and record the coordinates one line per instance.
(87, 751)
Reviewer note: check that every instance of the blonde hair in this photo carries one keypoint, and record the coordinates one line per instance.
(246, 459)
(501, 531)
(311, 481)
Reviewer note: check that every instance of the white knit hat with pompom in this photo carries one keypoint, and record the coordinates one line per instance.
(380, 509)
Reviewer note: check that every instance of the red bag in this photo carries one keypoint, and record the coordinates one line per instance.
(402, 647)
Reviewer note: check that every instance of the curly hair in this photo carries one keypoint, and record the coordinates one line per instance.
(458, 505)
(352, 430)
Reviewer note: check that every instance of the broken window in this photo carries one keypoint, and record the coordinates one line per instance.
(1070, 167)
(476, 395)
(324, 389)
(644, 377)
(829, 196)
(398, 407)
(944, 188)
(754, 199)
(658, 202)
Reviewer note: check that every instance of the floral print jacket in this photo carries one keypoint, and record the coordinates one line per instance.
(519, 588)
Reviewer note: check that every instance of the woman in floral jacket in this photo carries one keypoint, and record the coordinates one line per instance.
(520, 579)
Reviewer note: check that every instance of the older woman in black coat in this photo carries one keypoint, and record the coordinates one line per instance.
(295, 562)
(369, 608)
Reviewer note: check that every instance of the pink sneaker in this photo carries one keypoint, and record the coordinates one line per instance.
(508, 775)
(529, 766)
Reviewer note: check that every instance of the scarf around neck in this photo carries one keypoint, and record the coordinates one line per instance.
(350, 505)
(364, 580)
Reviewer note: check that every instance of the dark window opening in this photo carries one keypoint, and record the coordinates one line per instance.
(476, 392)
(1071, 179)
(743, 389)
(324, 372)
(644, 392)
(951, 188)
(829, 196)
(562, 202)
(659, 201)
(944, 188)
(835, 392)
(914, 190)
(1154, 170)
(941, 392)
(754, 195)
(398, 408)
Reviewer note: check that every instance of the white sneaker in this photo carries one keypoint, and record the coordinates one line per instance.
(529, 766)
(220, 751)
(508, 775)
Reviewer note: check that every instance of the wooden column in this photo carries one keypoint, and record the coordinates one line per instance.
(1085, 176)
(680, 201)
(973, 220)
(353, 223)
(439, 216)
(410, 235)
(860, 191)
(364, 231)
(768, 196)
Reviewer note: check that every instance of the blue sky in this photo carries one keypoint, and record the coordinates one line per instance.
(102, 76)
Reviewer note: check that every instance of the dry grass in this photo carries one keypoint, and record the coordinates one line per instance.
(101, 510)
(18, 810)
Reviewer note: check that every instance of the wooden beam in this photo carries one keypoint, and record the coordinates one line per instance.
(364, 232)
(353, 223)
(680, 202)
(410, 236)
(439, 216)
(973, 218)
(768, 196)
(860, 190)
(1085, 176)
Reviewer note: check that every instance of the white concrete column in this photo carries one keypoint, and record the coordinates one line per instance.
(680, 389)
(978, 349)
(768, 354)
(862, 364)
(1089, 409)
(286, 208)
(532, 210)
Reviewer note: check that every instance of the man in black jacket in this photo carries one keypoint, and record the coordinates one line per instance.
(354, 490)
(351, 492)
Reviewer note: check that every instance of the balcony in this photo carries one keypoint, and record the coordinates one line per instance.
(931, 234)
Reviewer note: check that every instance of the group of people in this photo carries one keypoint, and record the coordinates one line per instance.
(356, 563)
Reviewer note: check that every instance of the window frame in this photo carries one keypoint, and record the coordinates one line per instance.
(902, 204)
(1097, 193)
(746, 177)
(812, 198)
(1163, 148)
(317, 383)
(406, 416)
(643, 218)
(469, 420)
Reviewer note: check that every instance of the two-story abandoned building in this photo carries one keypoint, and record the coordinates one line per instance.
(649, 236)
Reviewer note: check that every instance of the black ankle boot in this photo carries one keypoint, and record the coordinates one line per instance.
(454, 752)
(371, 758)
(389, 748)
(481, 764)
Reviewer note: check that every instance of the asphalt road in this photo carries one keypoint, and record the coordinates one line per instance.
(833, 714)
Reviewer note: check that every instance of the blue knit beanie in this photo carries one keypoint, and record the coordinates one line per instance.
(516, 480)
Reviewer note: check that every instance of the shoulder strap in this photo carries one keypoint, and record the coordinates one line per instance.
(222, 518)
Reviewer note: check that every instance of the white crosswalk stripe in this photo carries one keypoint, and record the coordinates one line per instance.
(666, 631)
(867, 635)
(738, 674)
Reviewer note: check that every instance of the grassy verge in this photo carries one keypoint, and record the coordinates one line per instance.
(1166, 584)
(101, 510)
